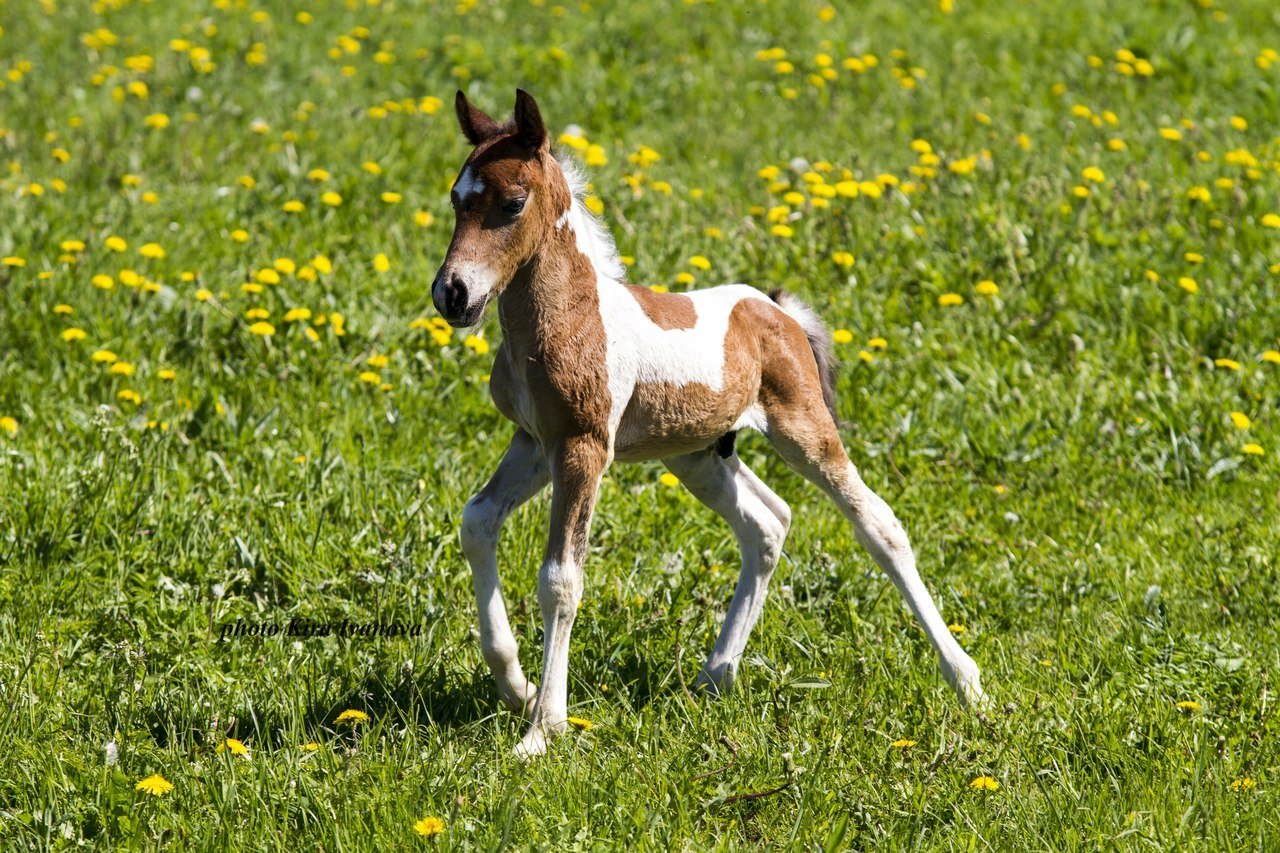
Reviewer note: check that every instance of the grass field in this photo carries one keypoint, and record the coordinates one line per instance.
(1048, 239)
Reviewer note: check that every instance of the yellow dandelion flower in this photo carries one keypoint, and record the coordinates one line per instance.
(957, 629)
(842, 336)
(984, 783)
(203, 295)
(668, 479)
(263, 328)
(70, 335)
(580, 724)
(1188, 284)
(13, 261)
(1170, 133)
(9, 424)
(429, 827)
(159, 121)
(381, 263)
(878, 343)
(123, 368)
(168, 374)
(866, 356)
(1094, 174)
(129, 396)
(233, 746)
(1253, 449)
(1227, 363)
(1271, 220)
(309, 746)
(155, 785)
(477, 344)
(986, 287)
(1240, 420)
(104, 356)
(593, 204)
(1272, 356)
(1245, 784)
(331, 198)
(352, 716)
(322, 264)
(292, 206)
(294, 315)
(116, 244)
(423, 218)
(391, 198)
(63, 309)
(318, 175)
(950, 299)
(285, 266)
(1188, 706)
(700, 262)
(902, 743)
(783, 231)
(843, 259)
(685, 278)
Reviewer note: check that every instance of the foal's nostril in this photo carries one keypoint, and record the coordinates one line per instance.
(455, 297)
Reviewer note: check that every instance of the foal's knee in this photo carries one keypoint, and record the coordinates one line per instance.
(773, 531)
(480, 524)
(559, 588)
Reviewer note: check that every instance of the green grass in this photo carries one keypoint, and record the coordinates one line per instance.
(1127, 563)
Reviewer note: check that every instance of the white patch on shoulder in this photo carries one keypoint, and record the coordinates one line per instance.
(468, 184)
(564, 218)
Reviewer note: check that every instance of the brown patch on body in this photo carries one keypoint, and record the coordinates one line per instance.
(666, 310)
(767, 361)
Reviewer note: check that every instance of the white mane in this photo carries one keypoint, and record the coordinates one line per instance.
(594, 239)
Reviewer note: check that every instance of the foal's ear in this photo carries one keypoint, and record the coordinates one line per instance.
(530, 130)
(476, 126)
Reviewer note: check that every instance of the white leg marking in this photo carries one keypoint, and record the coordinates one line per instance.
(759, 519)
(880, 532)
(576, 468)
(521, 475)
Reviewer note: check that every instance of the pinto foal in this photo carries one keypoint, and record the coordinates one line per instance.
(591, 369)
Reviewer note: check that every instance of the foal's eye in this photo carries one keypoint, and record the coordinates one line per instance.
(513, 206)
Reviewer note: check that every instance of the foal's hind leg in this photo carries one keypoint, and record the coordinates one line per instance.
(521, 475)
(759, 519)
(806, 437)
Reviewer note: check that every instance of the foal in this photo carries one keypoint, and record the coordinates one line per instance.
(591, 369)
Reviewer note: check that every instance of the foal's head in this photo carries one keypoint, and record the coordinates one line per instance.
(507, 197)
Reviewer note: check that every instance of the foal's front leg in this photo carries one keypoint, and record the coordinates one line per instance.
(521, 475)
(576, 466)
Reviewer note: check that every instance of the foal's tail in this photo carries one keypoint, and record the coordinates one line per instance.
(819, 341)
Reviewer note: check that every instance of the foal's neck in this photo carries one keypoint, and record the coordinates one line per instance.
(554, 291)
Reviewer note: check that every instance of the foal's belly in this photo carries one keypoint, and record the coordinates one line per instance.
(663, 420)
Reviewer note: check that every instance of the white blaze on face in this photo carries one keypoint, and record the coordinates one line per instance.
(468, 184)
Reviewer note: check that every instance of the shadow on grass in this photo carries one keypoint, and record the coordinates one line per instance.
(435, 698)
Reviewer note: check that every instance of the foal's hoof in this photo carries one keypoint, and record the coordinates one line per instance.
(714, 681)
(533, 744)
(967, 683)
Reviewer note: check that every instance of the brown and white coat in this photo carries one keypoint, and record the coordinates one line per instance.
(592, 370)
